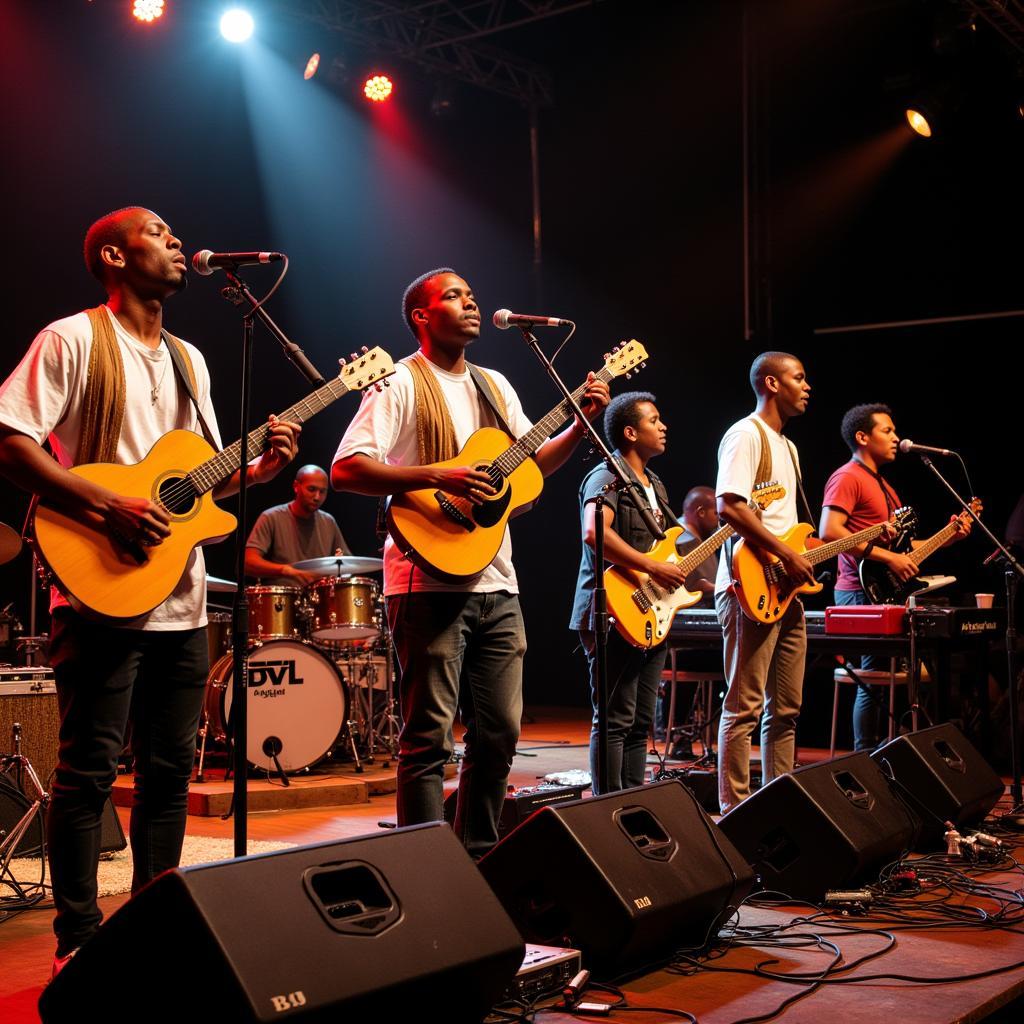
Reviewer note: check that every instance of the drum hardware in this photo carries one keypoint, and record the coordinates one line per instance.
(31, 648)
(22, 768)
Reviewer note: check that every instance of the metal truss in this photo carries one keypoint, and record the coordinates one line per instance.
(443, 36)
(1005, 16)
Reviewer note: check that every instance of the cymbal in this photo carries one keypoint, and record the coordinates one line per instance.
(219, 586)
(341, 565)
(10, 543)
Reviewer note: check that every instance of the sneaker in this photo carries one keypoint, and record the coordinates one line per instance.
(60, 962)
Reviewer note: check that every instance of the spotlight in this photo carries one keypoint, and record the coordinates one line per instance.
(919, 122)
(378, 88)
(148, 10)
(236, 25)
(311, 65)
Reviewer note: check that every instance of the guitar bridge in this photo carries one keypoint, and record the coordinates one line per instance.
(450, 509)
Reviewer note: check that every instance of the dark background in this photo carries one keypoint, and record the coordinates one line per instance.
(642, 186)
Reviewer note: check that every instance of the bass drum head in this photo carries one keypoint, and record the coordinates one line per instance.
(297, 703)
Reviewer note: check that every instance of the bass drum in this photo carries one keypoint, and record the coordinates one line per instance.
(298, 704)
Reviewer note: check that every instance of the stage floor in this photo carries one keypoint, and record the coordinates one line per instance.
(555, 740)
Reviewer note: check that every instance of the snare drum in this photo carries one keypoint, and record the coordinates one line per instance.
(298, 704)
(273, 613)
(218, 634)
(344, 608)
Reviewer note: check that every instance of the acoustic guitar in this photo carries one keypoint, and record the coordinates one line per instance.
(111, 576)
(454, 540)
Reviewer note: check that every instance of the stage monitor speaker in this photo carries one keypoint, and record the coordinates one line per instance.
(398, 925)
(823, 826)
(626, 878)
(944, 777)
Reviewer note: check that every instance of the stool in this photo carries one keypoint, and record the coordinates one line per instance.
(704, 698)
(873, 677)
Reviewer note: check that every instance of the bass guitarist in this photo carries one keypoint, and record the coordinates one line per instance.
(764, 662)
(102, 387)
(857, 496)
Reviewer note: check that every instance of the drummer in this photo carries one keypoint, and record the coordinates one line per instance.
(295, 532)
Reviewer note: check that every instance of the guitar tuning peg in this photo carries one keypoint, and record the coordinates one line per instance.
(353, 356)
(387, 382)
(616, 348)
(629, 376)
(643, 366)
(341, 362)
(379, 387)
(364, 350)
(607, 356)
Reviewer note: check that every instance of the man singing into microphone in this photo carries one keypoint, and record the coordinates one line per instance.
(101, 387)
(446, 635)
(856, 496)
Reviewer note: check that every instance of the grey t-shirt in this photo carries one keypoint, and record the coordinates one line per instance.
(281, 536)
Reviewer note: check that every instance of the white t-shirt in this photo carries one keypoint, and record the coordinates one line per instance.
(738, 457)
(43, 399)
(384, 428)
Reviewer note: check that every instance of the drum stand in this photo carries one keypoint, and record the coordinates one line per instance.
(17, 762)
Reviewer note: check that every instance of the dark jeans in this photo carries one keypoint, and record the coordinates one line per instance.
(871, 704)
(105, 678)
(458, 652)
(634, 674)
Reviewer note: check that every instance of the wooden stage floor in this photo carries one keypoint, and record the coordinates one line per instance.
(555, 740)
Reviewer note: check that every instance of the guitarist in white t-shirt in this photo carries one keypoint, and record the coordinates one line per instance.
(100, 386)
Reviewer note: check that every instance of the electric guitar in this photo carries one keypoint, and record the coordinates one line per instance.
(114, 577)
(760, 580)
(882, 586)
(642, 609)
(454, 540)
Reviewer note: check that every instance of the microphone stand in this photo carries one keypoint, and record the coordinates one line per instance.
(1013, 572)
(240, 606)
(601, 621)
(292, 351)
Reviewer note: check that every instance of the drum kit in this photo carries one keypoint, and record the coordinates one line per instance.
(320, 665)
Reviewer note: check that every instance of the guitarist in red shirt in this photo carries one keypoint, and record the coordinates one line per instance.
(857, 496)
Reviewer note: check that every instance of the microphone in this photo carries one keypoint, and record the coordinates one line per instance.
(907, 446)
(504, 319)
(206, 262)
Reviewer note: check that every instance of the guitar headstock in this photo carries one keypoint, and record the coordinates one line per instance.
(765, 493)
(626, 359)
(368, 368)
(905, 518)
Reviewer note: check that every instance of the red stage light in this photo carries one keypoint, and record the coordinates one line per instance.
(311, 65)
(378, 88)
(148, 10)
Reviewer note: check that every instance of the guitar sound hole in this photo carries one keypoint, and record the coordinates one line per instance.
(177, 495)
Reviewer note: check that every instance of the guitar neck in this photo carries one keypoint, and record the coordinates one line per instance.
(214, 471)
(526, 445)
(824, 552)
(706, 547)
(932, 544)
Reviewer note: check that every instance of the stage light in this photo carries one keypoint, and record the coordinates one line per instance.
(311, 66)
(919, 123)
(378, 88)
(236, 25)
(148, 10)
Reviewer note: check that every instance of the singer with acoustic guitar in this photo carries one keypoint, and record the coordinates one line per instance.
(104, 386)
(460, 639)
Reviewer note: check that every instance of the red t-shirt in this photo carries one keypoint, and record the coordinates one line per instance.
(855, 490)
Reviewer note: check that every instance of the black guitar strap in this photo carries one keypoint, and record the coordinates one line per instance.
(183, 378)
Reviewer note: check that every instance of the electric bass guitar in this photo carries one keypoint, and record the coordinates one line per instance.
(760, 580)
(642, 609)
(115, 577)
(882, 586)
(454, 540)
